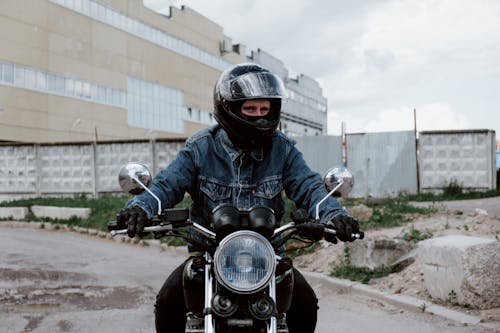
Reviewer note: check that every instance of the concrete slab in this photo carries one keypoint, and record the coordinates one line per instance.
(15, 213)
(60, 212)
(462, 269)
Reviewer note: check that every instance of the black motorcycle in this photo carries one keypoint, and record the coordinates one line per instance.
(243, 282)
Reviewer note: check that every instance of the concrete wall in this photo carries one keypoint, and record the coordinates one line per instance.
(464, 157)
(383, 164)
(78, 168)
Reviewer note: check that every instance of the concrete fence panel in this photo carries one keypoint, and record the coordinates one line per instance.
(65, 169)
(18, 169)
(464, 157)
(110, 157)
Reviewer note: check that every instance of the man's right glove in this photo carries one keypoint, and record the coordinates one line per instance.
(345, 226)
(134, 219)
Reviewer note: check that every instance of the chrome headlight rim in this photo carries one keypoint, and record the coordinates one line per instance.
(218, 262)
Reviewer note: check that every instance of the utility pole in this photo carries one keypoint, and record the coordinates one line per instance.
(416, 147)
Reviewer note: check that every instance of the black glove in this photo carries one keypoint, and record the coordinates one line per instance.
(345, 226)
(134, 219)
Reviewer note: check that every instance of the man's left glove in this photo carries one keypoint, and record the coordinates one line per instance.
(134, 219)
(345, 226)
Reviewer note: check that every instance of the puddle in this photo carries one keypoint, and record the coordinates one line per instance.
(39, 274)
(36, 291)
(70, 298)
(33, 308)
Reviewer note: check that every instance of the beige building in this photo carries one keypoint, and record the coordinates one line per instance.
(93, 70)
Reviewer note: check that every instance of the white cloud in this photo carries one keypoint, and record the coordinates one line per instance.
(377, 60)
(429, 117)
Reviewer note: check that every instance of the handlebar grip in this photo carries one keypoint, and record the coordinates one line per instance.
(359, 235)
(146, 229)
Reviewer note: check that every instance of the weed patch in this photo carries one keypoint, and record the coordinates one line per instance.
(362, 274)
(415, 235)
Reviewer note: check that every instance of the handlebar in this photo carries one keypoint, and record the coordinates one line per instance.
(174, 219)
(294, 225)
(167, 227)
(358, 235)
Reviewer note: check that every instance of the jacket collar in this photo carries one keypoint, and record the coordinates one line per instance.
(234, 152)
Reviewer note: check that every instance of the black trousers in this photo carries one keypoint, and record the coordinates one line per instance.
(170, 310)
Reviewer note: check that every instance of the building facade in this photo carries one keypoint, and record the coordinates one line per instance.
(94, 70)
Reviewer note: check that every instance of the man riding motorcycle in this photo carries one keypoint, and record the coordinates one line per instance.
(244, 161)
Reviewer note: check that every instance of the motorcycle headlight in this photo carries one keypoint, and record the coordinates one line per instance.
(244, 261)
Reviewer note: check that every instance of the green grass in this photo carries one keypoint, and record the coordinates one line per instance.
(392, 213)
(453, 190)
(363, 274)
(386, 213)
(104, 209)
(415, 235)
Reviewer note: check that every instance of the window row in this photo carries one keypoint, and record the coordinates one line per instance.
(307, 100)
(39, 80)
(114, 18)
(155, 106)
(149, 105)
(200, 116)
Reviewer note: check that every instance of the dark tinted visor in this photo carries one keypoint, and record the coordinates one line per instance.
(256, 85)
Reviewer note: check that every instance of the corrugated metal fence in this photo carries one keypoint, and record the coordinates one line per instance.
(383, 164)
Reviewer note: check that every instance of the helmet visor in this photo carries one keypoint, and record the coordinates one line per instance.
(256, 85)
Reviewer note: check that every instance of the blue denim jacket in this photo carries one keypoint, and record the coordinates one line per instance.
(213, 171)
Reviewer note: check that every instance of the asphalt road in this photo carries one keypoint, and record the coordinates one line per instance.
(53, 281)
(490, 205)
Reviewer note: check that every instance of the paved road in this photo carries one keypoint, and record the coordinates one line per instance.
(66, 282)
(490, 205)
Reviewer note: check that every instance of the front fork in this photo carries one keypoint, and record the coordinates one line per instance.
(209, 323)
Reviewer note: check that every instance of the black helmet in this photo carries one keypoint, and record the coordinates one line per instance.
(238, 84)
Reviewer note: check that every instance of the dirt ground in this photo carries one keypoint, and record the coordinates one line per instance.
(446, 221)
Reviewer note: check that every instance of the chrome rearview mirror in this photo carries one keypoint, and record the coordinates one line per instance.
(135, 178)
(337, 179)
(336, 176)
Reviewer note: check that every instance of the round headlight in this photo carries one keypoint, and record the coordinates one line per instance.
(244, 261)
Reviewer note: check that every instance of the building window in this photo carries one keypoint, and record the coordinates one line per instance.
(155, 106)
(7, 73)
(53, 83)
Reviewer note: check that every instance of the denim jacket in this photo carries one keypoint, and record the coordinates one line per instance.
(213, 171)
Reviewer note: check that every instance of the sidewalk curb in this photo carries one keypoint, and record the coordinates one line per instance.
(405, 302)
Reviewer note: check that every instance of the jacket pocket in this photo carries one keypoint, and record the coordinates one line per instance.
(215, 191)
(269, 188)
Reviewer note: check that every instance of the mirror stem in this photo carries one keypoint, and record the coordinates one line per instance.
(341, 181)
(135, 179)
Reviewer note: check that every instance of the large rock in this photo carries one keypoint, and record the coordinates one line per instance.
(361, 212)
(373, 253)
(462, 269)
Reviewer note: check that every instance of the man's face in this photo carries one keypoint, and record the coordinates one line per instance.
(256, 107)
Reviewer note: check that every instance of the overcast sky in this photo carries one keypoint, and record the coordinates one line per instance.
(378, 60)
